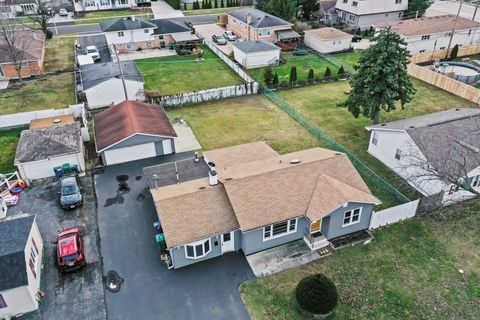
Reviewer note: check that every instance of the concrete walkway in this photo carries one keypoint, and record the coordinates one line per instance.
(154, 53)
(185, 140)
(162, 10)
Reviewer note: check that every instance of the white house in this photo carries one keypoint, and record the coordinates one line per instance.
(103, 85)
(365, 13)
(439, 142)
(256, 53)
(24, 7)
(41, 149)
(82, 6)
(433, 33)
(21, 252)
(129, 33)
(328, 40)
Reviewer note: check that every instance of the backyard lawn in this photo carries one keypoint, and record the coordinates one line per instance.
(180, 74)
(350, 58)
(8, 145)
(320, 104)
(241, 120)
(98, 16)
(53, 91)
(303, 64)
(59, 55)
(423, 268)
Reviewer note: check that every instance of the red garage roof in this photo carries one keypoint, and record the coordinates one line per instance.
(128, 118)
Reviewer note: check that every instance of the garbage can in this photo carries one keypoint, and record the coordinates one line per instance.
(160, 240)
(66, 168)
(58, 172)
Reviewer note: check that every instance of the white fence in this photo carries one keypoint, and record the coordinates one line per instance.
(24, 118)
(393, 214)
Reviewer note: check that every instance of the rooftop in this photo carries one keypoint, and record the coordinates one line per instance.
(260, 19)
(255, 46)
(167, 26)
(328, 33)
(53, 121)
(94, 74)
(31, 42)
(125, 23)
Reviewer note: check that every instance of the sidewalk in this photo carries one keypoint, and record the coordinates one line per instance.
(162, 10)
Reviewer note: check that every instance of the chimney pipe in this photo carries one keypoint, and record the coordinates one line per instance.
(212, 176)
(249, 21)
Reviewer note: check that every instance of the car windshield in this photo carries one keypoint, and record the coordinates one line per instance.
(91, 50)
(71, 257)
(69, 189)
(219, 37)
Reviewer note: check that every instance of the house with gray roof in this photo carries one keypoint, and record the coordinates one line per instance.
(102, 84)
(21, 252)
(256, 53)
(419, 148)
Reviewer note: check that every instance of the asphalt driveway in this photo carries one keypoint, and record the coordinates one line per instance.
(99, 41)
(207, 290)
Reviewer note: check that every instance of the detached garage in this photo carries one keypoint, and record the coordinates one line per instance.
(133, 130)
(256, 54)
(328, 40)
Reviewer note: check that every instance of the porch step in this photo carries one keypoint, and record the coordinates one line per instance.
(326, 250)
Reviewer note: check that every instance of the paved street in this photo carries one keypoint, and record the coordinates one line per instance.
(162, 10)
(207, 290)
(451, 7)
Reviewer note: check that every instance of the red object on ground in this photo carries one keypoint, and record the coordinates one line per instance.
(70, 255)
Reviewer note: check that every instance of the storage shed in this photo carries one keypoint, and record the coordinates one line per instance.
(256, 54)
(328, 40)
(133, 130)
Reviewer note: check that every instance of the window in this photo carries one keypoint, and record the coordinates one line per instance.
(426, 37)
(198, 249)
(351, 18)
(32, 268)
(3, 304)
(279, 229)
(146, 31)
(227, 237)
(354, 3)
(28, 7)
(398, 1)
(345, 1)
(120, 33)
(89, 3)
(421, 51)
(104, 2)
(476, 181)
(129, 45)
(375, 138)
(264, 32)
(35, 245)
(453, 188)
(123, 1)
(351, 217)
(398, 154)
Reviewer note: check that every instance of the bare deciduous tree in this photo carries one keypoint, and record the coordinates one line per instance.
(42, 16)
(13, 43)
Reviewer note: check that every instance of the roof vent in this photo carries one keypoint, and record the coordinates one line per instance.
(57, 120)
(295, 161)
(412, 127)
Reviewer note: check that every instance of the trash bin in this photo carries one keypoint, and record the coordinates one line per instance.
(66, 168)
(160, 240)
(58, 172)
(75, 168)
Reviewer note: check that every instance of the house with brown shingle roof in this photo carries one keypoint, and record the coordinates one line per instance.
(433, 33)
(250, 198)
(328, 40)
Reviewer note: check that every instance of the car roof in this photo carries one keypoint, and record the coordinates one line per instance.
(69, 180)
(91, 47)
(67, 245)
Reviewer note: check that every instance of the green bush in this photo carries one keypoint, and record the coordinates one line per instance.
(175, 4)
(49, 34)
(328, 72)
(317, 294)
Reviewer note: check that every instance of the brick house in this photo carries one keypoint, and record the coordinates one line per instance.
(33, 56)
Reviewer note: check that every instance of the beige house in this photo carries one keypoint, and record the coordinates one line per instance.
(328, 40)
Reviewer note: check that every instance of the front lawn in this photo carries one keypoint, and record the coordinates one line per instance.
(59, 54)
(422, 268)
(242, 120)
(303, 64)
(350, 58)
(8, 146)
(50, 91)
(180, 74)
(319, 103)
(98, 16)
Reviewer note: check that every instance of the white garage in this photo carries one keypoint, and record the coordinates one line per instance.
(256, 54)
(132, 131)
(328, 40)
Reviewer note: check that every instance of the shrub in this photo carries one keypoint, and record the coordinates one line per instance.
(317, 294)
(216, 3)
(293, 74)
(454, 53)
(268, 76)
(328, 72)
(49, 34)
(311, 76)
(222, 4)
(275, 80)
(184, 6)
(341, 71)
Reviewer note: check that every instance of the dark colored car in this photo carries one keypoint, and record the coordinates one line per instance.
(219, 39)
(70, 255)
(356, 38)
(70, 192)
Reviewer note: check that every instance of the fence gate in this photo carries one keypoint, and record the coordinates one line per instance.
(393, 214)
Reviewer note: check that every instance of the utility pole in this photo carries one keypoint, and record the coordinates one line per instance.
(453, 30)
(475, 12)
(121, 72)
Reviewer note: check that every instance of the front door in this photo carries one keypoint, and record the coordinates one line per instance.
(227, 242)
(316, 226)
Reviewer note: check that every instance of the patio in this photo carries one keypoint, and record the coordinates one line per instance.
(144, 54)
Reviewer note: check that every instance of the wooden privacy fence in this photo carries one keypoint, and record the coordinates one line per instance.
(443, 82)
(393, 214)
(442, 54)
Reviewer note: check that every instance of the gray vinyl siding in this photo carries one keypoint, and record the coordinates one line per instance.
(136, 140)
(332, 224)
(253, 240)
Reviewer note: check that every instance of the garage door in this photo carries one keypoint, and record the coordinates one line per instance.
(121, 155)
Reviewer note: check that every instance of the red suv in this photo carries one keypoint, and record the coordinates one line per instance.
(70, 254)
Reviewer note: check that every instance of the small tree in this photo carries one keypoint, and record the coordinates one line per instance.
(215, 3)
(268, 76)
(317, 294)
(358, 32)
(341, 71)
(184, 6)
(371, 31)
(293, 75)
(15, 43)
(454, 53)
(222, 4)
(275, 80)
(311, 76)
(328, 72)
(41, 17)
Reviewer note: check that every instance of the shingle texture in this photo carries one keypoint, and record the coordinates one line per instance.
(328, 33)
(31, 42)
(260, 19)
(43, 143)
(166, 26)
(125, 23)
(94, 74)
(130, 117)
(13, 238)
(255, 46)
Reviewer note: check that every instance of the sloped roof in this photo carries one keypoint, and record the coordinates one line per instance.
(243, 153)
(328, 33)
(167, 26)
(94, 74)
(429, 25)
(125, 23)
(30, 41)
(260, 19)
(128, 118)
(43, 143)
(255, 46)
(13, 239)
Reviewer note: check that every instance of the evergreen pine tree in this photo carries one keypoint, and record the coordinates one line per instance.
(222, 4)
(268, 76)
(328, 72)
(293, 75)
(341, 71)
(454, 53)
(275, 80)
(215, 3)
(311, 76)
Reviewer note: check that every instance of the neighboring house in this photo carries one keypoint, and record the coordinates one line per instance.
(21, 253)
(102, 83)
(255, 54)
(33, 44)
(133, 130)
(21, 7)
(253, 24)
(438, 140)
(170, 32)
(44, 147)
(433, 33)
(326, 12)
(328, 40)
(250, 198)
(129, 33)
(82, 6)
(365, 13)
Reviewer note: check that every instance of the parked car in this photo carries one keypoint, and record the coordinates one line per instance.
(92, 51)
(356, 38)
(63, 12)
(300, 51)
(70, 254)
(219, 39)
(70, 192)
(230, 35)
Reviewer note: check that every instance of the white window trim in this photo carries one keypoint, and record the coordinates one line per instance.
(194, 244)
(281, 234)
(351, 217)
(475, 181)
(375, 138)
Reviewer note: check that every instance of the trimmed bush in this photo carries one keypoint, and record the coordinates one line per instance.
(317, 294)
(328, 72)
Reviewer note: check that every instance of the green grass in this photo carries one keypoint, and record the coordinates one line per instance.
(303, 64)
(98, 16)
(53, 91)
(409, 271)
(350, 58)
(242, 120)
(191, 12)
(180, 74)
(320, 104)
(59, 55)
(8, 145)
